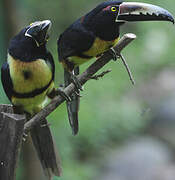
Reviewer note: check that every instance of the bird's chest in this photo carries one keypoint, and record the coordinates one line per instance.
(100, 46)
(28, 76)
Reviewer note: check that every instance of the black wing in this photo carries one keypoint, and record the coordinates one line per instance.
(6, 80)
(74, 41)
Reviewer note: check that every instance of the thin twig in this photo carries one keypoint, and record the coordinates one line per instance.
(98, 76)
(83, 78)
(127, 69)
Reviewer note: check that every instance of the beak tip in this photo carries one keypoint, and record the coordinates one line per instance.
(47, 22)
(171, 19)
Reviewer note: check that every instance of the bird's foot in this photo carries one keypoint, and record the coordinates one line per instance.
(114, 54)
(24, 136)
(60, 91)
(45, 125)
(78, 94)
(77, 83)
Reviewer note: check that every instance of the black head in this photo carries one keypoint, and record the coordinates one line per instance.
(30, 42)
(38, 31)
(105, 19)
(102, 20)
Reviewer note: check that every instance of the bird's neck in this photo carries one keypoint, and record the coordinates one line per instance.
(105, 30)
(26, 51)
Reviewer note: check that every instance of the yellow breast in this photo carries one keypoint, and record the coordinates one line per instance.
(99, 47)
(34, 104)
(28, 76)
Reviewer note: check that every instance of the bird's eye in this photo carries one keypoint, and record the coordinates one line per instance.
(31, 24)
(113, 9)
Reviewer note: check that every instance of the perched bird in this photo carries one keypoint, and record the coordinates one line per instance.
(96, 32)
(28, 81)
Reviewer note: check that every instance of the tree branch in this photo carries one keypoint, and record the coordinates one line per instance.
(83, 78)
(98, 76)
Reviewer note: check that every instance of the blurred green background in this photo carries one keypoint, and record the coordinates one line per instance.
(112, 110)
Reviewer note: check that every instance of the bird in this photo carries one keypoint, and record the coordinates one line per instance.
(28, 81)
(95, 33)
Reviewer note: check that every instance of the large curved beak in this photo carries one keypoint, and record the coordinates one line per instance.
(135, 11)
(39, 31)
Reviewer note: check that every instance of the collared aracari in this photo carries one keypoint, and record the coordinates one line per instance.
(96, 32)
(28, 81)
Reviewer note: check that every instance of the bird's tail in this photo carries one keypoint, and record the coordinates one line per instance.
(44, 145)
(72, 106)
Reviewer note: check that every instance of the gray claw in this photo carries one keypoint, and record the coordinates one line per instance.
(45, 125)
(24, 136)
(114, 54)
(78, 94)
(61, 92)
(76, 82)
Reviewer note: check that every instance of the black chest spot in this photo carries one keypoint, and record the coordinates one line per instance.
(27, 74)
